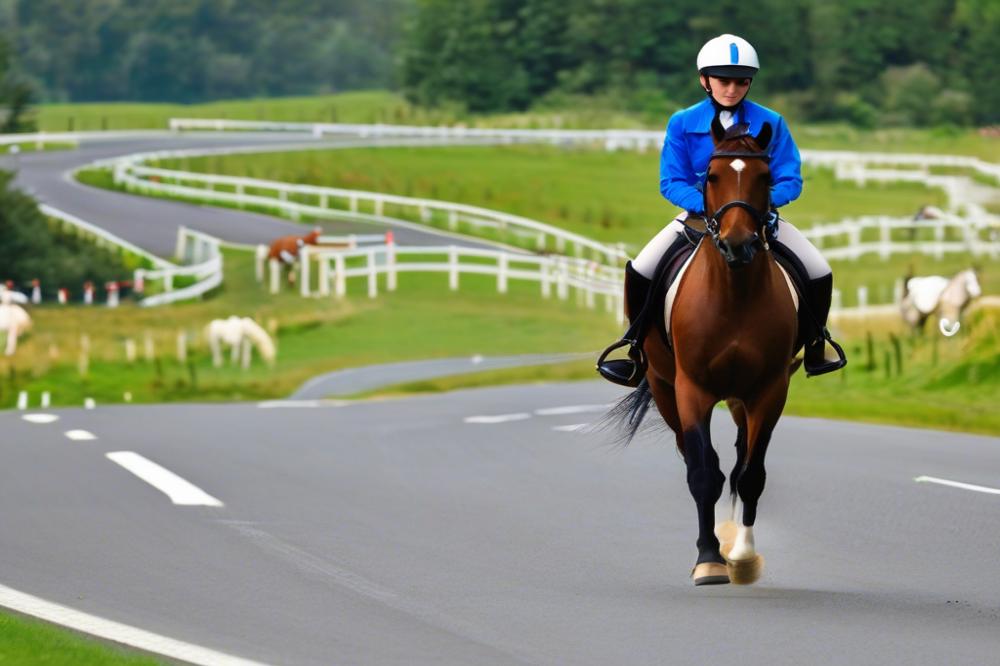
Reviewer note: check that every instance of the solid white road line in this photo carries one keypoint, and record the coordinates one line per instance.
(300, 404)
(958, 484)
(571, 409)
(80, 435)
(115, 631)
(40, 418)
(177, 489)
(571, 428)
(499, 418)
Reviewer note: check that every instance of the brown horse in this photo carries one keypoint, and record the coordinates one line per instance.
(733, 332)
(286, 248)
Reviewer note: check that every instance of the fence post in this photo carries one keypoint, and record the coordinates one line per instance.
(862, 298)
(854, 233)
(372, 275)
(275, 268)
(181, 243)
(453, 268)
(379, 206)
(390, 262)
(939, 241)
(562, 279)
(262, 251)
(543, 269)
(353, 204)
(836, 301)
(341, 277)
(452, 220)
(304, 270)
(324, 276)
(502, 263)
(884, 249)
(589, 285)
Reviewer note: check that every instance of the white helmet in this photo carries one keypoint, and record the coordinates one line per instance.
(728, 55)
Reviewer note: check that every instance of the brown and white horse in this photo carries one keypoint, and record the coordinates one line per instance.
(286, 249)
(734, 334)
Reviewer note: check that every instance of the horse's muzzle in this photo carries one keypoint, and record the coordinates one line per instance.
(741, 254)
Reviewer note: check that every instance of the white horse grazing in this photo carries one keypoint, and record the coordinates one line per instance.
(926, 295)
(240, 333)
(14, 321)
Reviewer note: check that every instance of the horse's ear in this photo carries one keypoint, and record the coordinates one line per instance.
(718, 131)
(764, 137)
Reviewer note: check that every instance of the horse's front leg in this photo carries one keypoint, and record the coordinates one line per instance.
(705, 479)
(745, 564)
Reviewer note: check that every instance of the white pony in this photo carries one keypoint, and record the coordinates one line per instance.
(14, 321)
(240, 333)
(926, 295)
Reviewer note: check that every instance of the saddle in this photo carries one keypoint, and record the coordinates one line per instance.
(678, 256)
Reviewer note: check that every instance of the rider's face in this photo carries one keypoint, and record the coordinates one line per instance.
(726, 91)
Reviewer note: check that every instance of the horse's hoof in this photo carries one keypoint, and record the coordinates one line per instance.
(710, 573)
(725, 532)
(745, 572)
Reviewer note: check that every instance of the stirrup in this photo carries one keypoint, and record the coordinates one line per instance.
(626, 371)
(825, 366)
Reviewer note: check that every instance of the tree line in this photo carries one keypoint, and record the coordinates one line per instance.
(200, 50)
(870, 62)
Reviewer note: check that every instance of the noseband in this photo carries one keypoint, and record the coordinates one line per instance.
(713, 223)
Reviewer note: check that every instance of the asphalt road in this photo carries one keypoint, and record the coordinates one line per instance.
(481, 526)
(152, 223)
(399, 532)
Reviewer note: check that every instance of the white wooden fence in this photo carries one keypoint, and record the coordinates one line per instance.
(206, 267)
(555, 274)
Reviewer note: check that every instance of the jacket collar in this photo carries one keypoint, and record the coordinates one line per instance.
(705, 113)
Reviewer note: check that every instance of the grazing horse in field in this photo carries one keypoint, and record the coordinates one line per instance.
(14, 321)
(240, 333)
(286, 249)
(923, 296)
(731, 333)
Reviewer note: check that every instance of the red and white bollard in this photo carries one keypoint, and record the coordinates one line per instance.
(139, 282)
(112, 288)
(63, 296)
(88, 293)
(36, 291)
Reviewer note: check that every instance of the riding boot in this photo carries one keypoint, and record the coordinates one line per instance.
(817, 362)
(628, 371)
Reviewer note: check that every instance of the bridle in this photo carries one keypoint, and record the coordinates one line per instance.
(713, 222)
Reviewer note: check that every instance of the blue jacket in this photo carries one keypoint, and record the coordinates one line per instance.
(688, 145)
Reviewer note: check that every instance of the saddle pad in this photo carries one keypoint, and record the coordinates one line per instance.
(672, 291)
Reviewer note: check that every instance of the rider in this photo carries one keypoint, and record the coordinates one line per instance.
(726, 65)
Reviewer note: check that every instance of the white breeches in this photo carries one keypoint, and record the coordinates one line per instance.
(645, 262)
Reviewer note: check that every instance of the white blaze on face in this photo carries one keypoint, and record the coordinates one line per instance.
(738, 165)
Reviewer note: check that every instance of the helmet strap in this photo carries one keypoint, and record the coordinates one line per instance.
(718, 106)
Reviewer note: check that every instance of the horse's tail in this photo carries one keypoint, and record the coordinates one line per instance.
(625, 417)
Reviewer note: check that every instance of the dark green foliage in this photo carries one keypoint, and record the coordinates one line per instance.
(868, 62)
(31, 247)
(197, 50)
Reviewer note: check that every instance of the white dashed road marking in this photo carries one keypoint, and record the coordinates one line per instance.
(80, 435)
(499, 418)
(177, 489)
(40, 418)
(958, 484)
(571, 409)
(571, 428)
(115, 631)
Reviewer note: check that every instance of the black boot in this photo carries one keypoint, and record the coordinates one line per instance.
(816, 362)
(629, 371)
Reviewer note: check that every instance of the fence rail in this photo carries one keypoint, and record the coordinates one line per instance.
(207, 268)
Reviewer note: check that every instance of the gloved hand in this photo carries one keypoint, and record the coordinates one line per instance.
(772, 224)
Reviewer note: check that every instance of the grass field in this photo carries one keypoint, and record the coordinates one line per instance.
(25, 641)
(421, 320)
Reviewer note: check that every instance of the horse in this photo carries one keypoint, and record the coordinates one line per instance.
(240, 333)
(286, 249)
(731, 335)
(923, 296)
(14, 320)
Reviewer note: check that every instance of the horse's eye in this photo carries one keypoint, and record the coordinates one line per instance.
(712, 178)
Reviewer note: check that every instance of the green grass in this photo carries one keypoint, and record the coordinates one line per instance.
(386, 107)
(609, 197)
(949, 384)
(421, 320)
(26, 641)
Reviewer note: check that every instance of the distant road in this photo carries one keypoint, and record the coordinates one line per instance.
(152, 223)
